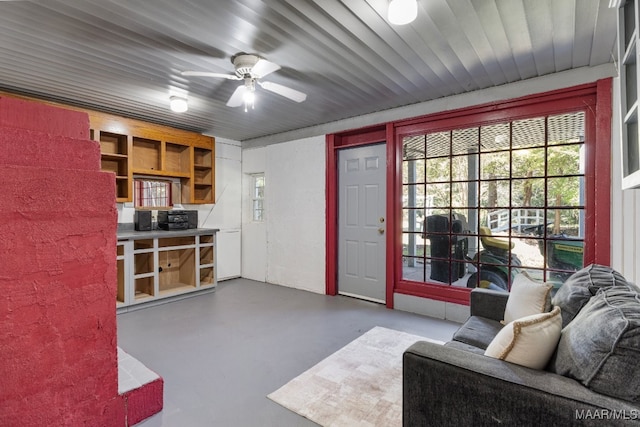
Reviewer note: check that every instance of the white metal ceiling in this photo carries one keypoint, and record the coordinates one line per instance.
(126, 56)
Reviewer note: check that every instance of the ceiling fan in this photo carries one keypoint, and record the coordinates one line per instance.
(251, 68)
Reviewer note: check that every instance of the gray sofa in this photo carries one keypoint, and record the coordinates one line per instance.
(584, 384)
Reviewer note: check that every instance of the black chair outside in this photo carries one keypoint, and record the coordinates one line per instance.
(448, 247)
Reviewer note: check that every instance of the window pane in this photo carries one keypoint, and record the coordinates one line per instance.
(438, 144)
(465, 140)
(566, 128)
(494, 193)
(413, 171)
(564, 160)
(438, 169)
(494, 165)
(494, 137)
(528, 162)
(413, 147)
(439, 194)
(527, 192)
(528, 133)
(564, 191)
(413, 196)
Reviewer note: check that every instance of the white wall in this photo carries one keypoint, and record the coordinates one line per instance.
(625, 209)
(289, 247)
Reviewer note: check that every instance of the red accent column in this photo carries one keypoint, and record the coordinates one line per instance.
(58, 272)
(602, 187)
(332, 215)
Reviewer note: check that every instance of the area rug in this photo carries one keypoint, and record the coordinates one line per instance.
(359, 385)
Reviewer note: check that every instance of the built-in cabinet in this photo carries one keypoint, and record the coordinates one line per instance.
(160, 264)
(130, 147)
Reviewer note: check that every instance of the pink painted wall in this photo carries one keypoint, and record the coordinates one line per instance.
(58, 362)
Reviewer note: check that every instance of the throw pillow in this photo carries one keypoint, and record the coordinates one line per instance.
(581, 286)
(601, 346)
(526, 297)
(529, 341)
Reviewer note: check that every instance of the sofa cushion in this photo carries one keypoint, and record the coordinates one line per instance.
(478, 331)
(601, 346)
(463, 346)
(529, 341)
(527, 297)
(581, 286)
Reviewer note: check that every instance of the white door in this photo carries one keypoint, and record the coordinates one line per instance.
(362, 222)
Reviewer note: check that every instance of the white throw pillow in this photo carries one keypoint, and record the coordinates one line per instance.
(529, 341)
(526, 297)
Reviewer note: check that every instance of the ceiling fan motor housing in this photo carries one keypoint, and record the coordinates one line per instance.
(243, 63)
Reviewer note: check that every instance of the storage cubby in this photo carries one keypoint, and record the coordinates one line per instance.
(177, 270)
(206, 276)
(143, 263)
(177, 157)
(120, 296)
(202, 157)
(203, 193)
(146, 154)
(114, 157)
(144, 287)
(206, 255)
(114, 143)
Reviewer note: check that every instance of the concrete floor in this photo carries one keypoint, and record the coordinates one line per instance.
(220, 354)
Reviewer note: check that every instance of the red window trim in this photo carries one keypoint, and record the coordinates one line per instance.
(593, 98)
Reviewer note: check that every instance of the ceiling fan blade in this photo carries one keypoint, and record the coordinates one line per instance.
(285, 91)
(237, 98)
(263, 67)
(209, 74)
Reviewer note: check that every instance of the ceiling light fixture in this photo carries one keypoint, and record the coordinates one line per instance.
(402, 12)
(249, 96)
(178, 104)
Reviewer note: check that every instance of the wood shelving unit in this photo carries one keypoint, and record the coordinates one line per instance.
(132, 147)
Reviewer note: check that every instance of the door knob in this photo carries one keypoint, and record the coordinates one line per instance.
(381, 230)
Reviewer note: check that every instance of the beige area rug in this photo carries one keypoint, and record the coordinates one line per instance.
(360, 385)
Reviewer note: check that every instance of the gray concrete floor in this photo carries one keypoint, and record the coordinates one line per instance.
(220, 354)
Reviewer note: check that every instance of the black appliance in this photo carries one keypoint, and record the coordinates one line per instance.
(142, 220)
(173, 220)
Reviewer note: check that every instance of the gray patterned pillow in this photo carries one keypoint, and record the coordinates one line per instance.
(601, 347)
(581, 286)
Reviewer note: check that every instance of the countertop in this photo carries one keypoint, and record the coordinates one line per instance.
(130, 234)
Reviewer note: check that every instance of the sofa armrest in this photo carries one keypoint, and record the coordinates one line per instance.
(446, 386)
(488, 303)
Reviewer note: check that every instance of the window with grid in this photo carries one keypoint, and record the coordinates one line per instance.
(483, 203)
(258, 197)
(150, 193)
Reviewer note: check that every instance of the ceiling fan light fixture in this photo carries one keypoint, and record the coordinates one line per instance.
(402, 12)
(178, 104)
(249, 98)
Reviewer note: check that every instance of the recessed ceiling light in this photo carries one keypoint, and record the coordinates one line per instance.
(178, 104)
(402, 12)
